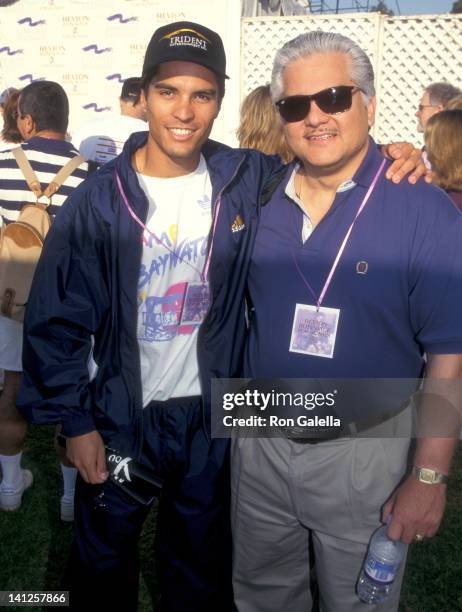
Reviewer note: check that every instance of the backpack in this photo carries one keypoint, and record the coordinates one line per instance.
(21, 241)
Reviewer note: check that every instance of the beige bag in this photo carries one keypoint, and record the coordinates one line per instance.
(21, 241)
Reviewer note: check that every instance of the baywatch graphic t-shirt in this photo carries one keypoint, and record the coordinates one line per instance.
(174, 254)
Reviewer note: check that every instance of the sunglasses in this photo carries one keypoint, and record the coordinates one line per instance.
(332, 100)
(422, 106)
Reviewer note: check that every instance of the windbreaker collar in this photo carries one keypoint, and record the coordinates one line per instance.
(222, 162)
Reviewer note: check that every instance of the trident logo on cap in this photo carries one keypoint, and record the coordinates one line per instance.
(178, 32)
(182, 37)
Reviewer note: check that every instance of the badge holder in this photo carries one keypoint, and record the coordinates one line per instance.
(196, 304)
(314, 330)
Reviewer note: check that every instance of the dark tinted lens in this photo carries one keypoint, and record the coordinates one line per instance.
(294, 108)
(335, 99)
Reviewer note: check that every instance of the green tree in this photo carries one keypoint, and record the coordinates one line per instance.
(457, 7)
(381, 7)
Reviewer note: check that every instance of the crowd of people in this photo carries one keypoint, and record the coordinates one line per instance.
(175, 260)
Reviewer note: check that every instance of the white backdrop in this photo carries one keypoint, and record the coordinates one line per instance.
(91, 46)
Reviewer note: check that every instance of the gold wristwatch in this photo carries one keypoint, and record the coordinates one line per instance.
(429, 476)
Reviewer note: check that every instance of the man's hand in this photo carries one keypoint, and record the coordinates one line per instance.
(407, 160)
(86, 453)
(417, 508)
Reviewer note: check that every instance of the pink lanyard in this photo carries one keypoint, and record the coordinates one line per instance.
(343, 245)
(204, 273)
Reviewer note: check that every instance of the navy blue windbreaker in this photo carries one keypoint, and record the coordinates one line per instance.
(86, 285)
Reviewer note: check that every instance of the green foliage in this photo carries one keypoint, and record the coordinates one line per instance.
(457, 7)
(381, 7)
(34, 542)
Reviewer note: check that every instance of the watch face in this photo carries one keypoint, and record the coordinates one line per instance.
(426, 475)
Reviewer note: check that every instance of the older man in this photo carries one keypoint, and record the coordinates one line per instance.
(434, 99)
(380, 264)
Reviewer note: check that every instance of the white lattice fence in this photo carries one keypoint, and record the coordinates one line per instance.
(407, 54)
(414, 53)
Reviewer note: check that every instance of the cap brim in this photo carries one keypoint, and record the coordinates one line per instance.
(155, 66)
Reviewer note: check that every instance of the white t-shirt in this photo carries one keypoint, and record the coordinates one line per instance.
(103, 139)
(6, 146)
(180, 217)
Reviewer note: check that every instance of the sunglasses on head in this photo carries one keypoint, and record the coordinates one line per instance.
(332, 100)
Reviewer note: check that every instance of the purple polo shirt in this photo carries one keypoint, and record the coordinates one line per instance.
(407, 303)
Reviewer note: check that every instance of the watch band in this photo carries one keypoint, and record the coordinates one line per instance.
(429, 476)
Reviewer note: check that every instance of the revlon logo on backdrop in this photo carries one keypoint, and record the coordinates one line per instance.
(75, 25)
(137, 49)
(75, 20)
(75, 77)
(170, 16)
(75, 82)
(52, 51)
(48, 50)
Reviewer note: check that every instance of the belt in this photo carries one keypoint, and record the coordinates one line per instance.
(347, 431)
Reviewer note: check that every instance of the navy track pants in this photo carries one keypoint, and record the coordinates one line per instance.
(193, 541)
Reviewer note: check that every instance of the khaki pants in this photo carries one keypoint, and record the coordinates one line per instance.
(282, 490)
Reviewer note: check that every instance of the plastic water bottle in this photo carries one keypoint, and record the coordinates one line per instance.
(380, 567)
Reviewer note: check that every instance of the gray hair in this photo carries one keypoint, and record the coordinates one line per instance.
(441, 93)
(310, 43)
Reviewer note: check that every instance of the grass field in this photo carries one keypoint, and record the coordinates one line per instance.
(34, 542)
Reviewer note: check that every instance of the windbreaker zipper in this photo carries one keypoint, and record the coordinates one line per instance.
(139, 411)
(215, 204)
(139, 450)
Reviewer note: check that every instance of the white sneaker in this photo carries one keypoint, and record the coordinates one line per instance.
(67, 509)
(11, 499)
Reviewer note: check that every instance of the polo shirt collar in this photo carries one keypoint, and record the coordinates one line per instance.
(363, 176)
(366, 172)
(48, 145)
(290, 187)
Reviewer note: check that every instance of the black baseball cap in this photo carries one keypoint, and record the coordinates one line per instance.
(188, 42)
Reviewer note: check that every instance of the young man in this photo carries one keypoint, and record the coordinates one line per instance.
(127, 264)
(126, 258)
